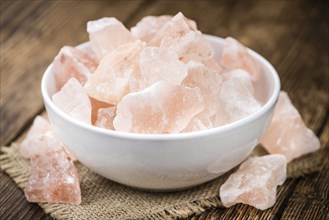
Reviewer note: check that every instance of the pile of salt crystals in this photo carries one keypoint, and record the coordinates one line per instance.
(161, 77)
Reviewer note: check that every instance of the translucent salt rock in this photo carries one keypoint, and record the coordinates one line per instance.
(200, 122)
(73, 100)
(146, 28)
(105, 117)
(161, 108)
(191, 46)
(236, 97)
(174, 29)
(72, 62)
(255, 182)
(236, 56)
(39, 127)
(95, 106)
(53, 177)
(117, 74)
(287, 134)
(208, 81)
(157, 64)
(107, 34)
(212, 64)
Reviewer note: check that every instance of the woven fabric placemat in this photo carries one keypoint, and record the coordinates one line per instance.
(104, 199)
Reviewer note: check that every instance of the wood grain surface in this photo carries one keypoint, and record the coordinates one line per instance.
(291, 34)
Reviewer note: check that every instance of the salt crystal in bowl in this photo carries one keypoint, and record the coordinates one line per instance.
(166, 161)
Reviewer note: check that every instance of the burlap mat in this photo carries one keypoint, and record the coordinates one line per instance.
(104, 199)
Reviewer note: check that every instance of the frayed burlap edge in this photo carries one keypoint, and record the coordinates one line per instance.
(300, 167)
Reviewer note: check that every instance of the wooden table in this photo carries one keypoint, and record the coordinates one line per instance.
(291, 34)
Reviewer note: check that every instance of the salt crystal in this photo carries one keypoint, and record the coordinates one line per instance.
(236, 97)
(208, 81)
(157, 64)
(174, 29)
(53, 177)
(161, 108)
(107, 34)
(146, 28)
(200, 122)
(72, 62)
(287, 134)
(105, 117)
(212, 64)
(191, 46)
(95, 106)
(39, 127)
(73, 100)
(117, 74)
(236, 56)
(255, 182)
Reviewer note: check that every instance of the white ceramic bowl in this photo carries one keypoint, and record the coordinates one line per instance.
(168, 161)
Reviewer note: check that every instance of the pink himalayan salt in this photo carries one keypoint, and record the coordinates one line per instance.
(174, 29)
(107, 34)
(255, 182)
(95, 106)
(73, 100)
(212, 64)
(236, 56)
(117, 74)
(105, 117)
(161, 108)
(72, 62)
(53, 177)
(191, 46)
(157, 64)
(39, 127)
(200, 122)
(236, 97)
(287, 133)
(208, 81)
(146, 28)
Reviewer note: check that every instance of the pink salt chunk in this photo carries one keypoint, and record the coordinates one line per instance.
(236, 56)
(72, 62)
(158, 64)
(212, 64)
(73, 100)
(53, 177)
(208, 81)
(191, 46)
(95, 106)
(287, 134)
(39, 127)
(161, 108)
(107, 34)
(105, 118)
(174, 29)
(236, 97)
(200, 122)
(255, 182)
(117, 74)
(146, 28)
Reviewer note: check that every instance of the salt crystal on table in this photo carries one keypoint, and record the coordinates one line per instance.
(287, 133)
(107, 34)
(161, 108)
(39, 127)
(72, 62)
(236, 97)
(117, 74)
(146, 28)
(73, 100)
(236, 56)
(105, 117)
(95, 106)
(255, 182)
(53, 177)
(157, 64)
(174, 29)
(208, 81)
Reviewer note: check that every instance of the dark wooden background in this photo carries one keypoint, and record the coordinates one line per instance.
(291, 34)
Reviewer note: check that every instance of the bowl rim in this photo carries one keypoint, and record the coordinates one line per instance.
(177, 136)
